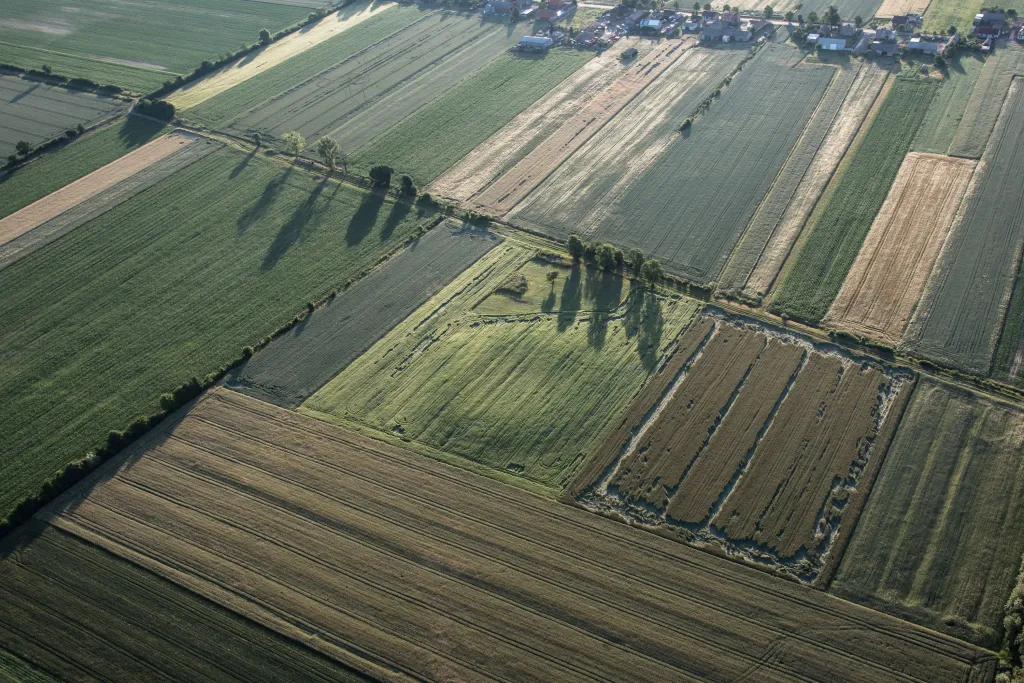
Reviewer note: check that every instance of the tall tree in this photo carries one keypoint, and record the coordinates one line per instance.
(294, 142)
(328, 148)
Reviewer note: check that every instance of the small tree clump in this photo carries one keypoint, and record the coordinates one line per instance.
(23, 148)
(636, 260)
(576, 247)
(265, 38)
(408, 187)
(552, 276)
(652, 272)
(294, 142)
(381, 175)
(605, 256)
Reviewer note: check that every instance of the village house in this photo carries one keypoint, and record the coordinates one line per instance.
(833, 44)
(927, 44)
(885, 48)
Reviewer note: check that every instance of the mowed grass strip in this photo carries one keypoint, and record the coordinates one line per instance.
(692, 204)
(132, 78)
(83, 156)
(76, 611)
(428, 142)
(856, 195)
(151, 36)
(962, 311)
(951, 102)
(248, 94)
(446, 575)
(298, 363)
(526, 393)
(941, 537)
(941, 14)
(168, 285)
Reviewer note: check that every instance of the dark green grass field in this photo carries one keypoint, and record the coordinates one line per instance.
(838, 231)
(940, 539)
(70, 609)
(139, 38)
(81, 157)
(169, 285)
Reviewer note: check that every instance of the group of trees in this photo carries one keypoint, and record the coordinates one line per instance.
(609, 258)
(326, 147)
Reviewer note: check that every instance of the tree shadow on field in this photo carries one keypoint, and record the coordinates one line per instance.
(293, 228)
(263, 204)
(572, 297)
(24, 94)
(243, 164)
(651, 328)
(399, 210)
(137, 131)
(365, 217)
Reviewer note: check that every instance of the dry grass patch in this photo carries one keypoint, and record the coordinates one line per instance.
(893, 8)
(883, 286)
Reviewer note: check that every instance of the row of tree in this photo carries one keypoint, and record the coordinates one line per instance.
(610, 258)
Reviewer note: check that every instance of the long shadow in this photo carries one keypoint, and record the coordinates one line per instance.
(293, 228)
(572, 298)
(399, 210)
(652, 327)
(263, 204)
(136, 131)
(364, 218)
(22, 95)
(241, 166)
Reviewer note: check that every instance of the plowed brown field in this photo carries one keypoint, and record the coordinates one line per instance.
(409, 568)
(760, 446)
(886, 281)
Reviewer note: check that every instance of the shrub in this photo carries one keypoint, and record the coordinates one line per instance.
(265, 38)
(157, 109)
(408, 187)
(381, 175)
(516, 285)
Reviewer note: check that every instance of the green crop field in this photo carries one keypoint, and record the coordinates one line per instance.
(841, 223)
(295, 365)
(133, 78)
(941, 537)
(691, 205)
(526, 392)
(220, 109)
(381, 74)
(35, 113)
(83, 156)
(69, 607)
(160, 36)
(168, 285)
(949, 105)
(436, 136)
(984, 105)
(961, 314)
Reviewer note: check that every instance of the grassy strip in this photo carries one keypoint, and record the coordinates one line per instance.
(14, 669)
(843, 223)
(430, 141)
(136, 79)
(951, 101)
(39, 178)
(1012, 337)
(234, 101)
(75, 608)
(983, 107)
(166, 286)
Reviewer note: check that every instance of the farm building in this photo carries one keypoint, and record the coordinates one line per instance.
(990, 18)
(650, 25)
(926, 44)
(886, 48)
(993, 31)
(907, 21)
(833, 44)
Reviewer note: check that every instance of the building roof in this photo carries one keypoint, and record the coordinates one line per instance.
(651, 23)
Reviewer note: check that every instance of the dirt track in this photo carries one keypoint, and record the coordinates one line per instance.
(886, 281)
(56, 203)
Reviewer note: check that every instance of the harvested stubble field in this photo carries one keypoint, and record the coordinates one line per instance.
(847, 8)
(893, 8)
(221, 108)
(941, 538)
(758, 281)
(982, 109)
(436, 136)
(962, 311)
(691, 205)
(753, 443)
(535, 124)
(78, 612)
(98, 30)
(168, 285)
(53, 171)
(295, 365)
(886, 280)
(856, 193)
(951, 104)
(405, 567)
(371, 90)
(277, 52)
(524, 393)
(576, 195)
(35, 112)
(512, 186)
